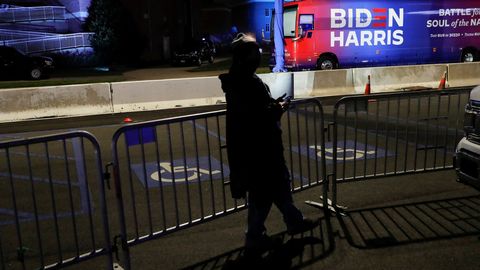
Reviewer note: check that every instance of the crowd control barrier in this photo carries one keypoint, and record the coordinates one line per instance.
(171, 174)
(53, 204)
(395, 133)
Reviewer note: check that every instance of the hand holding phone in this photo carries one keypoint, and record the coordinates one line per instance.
(281, 98)
(285, 103)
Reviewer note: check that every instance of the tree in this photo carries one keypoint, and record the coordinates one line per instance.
(115, 37)
(102, 20)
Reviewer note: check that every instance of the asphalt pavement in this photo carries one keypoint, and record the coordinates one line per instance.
(415, 221)
(421, 221)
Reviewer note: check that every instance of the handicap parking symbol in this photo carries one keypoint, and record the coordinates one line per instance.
(169, 173)
(179, 172)
(346, 150)
(347, 153)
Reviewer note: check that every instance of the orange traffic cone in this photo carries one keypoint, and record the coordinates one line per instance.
(367, 87)
(368, 90)
(443, 81)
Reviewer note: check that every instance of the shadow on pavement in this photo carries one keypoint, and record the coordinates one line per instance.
(412, 223)
(370, 228)
(292, 252)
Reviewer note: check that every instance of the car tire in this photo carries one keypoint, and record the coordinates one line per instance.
(326, 62)
(468, 56)
(35, 73)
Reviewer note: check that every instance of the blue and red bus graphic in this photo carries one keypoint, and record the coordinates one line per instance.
(324, 34)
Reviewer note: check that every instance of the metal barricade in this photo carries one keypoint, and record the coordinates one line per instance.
(173, 173)
(53, 207)
(304, 142)
(395, 133)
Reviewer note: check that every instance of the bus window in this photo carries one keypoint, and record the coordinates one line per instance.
(306, 22)
(289, 18)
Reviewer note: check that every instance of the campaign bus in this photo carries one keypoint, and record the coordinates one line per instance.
(330, 34)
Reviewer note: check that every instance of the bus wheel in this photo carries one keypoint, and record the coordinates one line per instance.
(468, 56)
(326, 63)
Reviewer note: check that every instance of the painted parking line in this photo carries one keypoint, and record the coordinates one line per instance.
(421, 123)
(211, 133)
(30, 216)
(192, 173)
(147, 134)
(35, 155)
(37, 179)
(179, 172)
(410, 142)
(84, 201)
(346, 150)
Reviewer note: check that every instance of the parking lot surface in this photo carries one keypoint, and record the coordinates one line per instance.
(415, 221)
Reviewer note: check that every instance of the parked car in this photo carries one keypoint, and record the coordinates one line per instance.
(16, 64)
(467, 155)
(195, 53)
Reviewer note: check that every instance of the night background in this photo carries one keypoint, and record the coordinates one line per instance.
(127, 31)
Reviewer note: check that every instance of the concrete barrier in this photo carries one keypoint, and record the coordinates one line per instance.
(279, 83)
(310, 83)
(90, 99)
(172, 93)
(56, 101)
(386, 79)
(163, 94)
(332, 83)
(303, 83)
(464, 74)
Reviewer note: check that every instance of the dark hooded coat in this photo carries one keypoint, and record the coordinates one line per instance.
(253, 134)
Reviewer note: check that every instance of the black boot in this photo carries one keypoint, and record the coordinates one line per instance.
(305, 225)
(257, 245)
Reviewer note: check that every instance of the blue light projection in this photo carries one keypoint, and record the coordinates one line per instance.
(44, 28)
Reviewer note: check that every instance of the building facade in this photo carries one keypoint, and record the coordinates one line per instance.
(44, 26)
(255, 16)
(164, 25)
